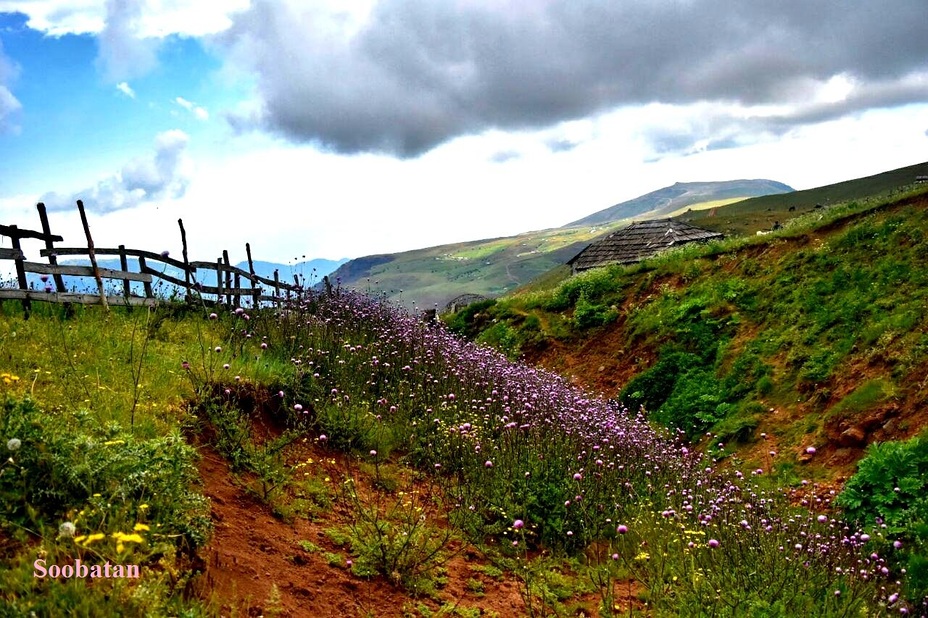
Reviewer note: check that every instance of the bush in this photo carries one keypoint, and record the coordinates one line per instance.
(588, 315)
(889, 489)
(651, 388)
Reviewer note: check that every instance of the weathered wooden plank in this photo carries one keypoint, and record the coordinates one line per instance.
(220, 267)
(149, 293)
(123, 265)
(84, 271)
(71, 297)
(193, 266)
(11, 254)
(160, 275)
(131, 252)
(210, 289)
(14, 232)
(187, 269)
(21, 273)
(278, 283)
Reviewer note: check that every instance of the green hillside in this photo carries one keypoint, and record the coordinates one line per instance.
(761, 213)
(424, 278)
(340, 456)
(812, 335)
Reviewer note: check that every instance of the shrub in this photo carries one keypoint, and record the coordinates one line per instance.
(651, 388)
(889, 489)
(587, 315)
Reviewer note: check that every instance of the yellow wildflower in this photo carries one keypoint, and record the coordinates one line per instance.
(92, 538)
(140, 527)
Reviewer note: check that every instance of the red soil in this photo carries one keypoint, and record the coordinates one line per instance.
(252, 553)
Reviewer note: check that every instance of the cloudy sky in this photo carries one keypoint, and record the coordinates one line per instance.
(341, 128)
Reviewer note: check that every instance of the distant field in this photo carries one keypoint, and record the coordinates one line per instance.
(433, 276)
(707, 205)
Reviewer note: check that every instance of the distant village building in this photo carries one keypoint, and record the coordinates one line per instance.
(640, 240)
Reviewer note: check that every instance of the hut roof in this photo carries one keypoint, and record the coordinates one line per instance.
(638, 241)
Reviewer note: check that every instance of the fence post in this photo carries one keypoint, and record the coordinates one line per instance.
(149, 293)
(93, 258)
(277, 287)
(183, 241)
(219, 291)
(225, 260)
(124, 266)
(47, 230)
(256, 294)
(21, 272)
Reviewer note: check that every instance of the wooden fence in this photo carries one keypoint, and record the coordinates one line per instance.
(232, 283)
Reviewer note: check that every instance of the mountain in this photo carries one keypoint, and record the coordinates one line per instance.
(664, 202)
(309, 272)
(759, 213)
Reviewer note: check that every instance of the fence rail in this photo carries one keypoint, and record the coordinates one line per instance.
(228, 288)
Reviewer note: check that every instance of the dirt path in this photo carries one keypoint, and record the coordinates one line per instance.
(252, 553)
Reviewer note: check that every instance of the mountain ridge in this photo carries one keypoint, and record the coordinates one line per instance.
(679, 195)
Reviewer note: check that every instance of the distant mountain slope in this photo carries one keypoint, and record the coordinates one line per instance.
(680, 195)
(309, 272)
(757, 213)
(423, 278)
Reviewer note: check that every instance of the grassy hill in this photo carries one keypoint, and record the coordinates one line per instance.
(341, 457)
(344, 458)
(761, 213)
(814, 335)
(424, 278)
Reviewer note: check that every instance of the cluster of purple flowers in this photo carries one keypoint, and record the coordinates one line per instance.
(522, 444)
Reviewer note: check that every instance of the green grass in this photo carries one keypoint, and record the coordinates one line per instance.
(760, 213)
(425, 277)
(745, 324)
(97, 403)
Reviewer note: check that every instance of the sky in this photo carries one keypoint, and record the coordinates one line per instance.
(343, 128)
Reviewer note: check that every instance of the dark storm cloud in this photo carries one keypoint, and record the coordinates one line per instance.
(419, 72)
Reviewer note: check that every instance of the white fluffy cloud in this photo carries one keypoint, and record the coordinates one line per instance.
(126, 89)
(8, 103)
(156, 18)
(199, 112)
(164, 174)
